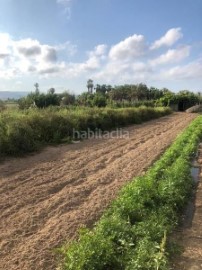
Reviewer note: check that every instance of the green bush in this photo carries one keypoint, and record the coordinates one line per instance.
(25, 131)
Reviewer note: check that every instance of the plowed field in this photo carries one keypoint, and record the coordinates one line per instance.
(46, 197)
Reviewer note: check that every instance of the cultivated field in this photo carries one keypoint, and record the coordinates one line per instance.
(46, 197)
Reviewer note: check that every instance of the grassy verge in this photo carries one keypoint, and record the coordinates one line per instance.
(132, 233)
(25, 131)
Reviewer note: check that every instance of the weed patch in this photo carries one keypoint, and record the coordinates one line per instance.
(25, 131)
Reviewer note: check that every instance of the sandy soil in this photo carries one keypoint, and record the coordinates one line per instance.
(46, 197)
(190, 237)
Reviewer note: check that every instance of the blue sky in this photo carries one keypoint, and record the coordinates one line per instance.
(63, 43)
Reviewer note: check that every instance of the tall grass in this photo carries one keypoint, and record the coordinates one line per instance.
(25, 131)
(132, 233)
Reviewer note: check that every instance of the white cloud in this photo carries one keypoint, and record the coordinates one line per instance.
(129, 61)
(171, 36)
(9, 73)
(65, 4)
(92, 64)
(5, 44)
(3, 55)
(28, 47)
(131, 47)
(127, 72)
(100, 49)
(132, 61)
(67, 47)
(191, 70)
(98, 52)
(49, 70)
(94, 59)
(49, 54)
(171, 56)
(28, 57)
(123, 63)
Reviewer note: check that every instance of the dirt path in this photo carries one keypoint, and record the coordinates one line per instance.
(191, 236)
(46, 197)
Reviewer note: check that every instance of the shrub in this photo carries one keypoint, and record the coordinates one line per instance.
(24, 131)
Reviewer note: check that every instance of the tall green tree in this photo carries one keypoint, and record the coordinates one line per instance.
(67, 98)
(51, 91)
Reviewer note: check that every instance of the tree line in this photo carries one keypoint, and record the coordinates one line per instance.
(105, 95)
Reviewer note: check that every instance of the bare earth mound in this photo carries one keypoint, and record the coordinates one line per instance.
(46, 197)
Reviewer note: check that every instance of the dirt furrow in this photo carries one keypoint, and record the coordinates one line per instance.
(46, 197)
(189, 237)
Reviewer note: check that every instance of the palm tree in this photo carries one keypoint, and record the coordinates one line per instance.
(90, 86)
(36, 85)
(51, 91)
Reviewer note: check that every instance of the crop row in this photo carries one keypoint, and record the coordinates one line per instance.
(26, 131)
(133, 232)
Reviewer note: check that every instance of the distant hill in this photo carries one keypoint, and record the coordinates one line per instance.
(9, 94)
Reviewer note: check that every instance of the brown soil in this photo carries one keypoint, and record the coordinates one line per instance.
(190, 238)
(46, 197)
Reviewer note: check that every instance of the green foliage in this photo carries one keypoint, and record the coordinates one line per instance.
(25, 102)
(121, 96)
(91, 255)
(24, 131)
(167, 99)
(42, 100)
(67, 99)
(140, 94)
(85, 99)
(185, 97)
(2, 105)
(46, 100)
(130, 92)
(127, 104)
(98, 99)
(132, 233)
(103, 89)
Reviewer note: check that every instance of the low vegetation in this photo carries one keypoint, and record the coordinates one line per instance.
(25, 131)
(133, 233)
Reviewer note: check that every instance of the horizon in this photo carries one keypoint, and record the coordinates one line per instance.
(63, 43)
